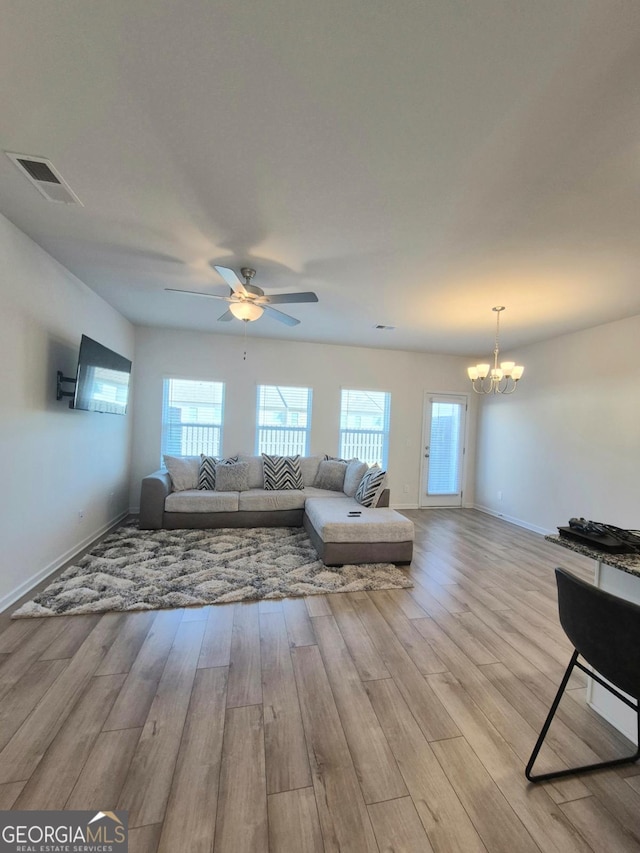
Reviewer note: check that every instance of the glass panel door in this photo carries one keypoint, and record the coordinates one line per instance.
(443, 456)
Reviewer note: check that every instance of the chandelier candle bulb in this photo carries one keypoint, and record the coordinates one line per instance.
(500, 380)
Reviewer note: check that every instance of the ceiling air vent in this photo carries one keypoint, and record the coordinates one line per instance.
(45, 178)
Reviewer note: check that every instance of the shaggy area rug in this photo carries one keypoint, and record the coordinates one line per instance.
(135, 569)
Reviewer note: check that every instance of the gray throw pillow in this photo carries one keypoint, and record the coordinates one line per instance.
(183, 471)
(232, 478)
(207, 475)
(330, 475)
(354, 474)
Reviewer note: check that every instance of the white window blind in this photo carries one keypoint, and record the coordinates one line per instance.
(364, 425)
(284, 420)
(192, 417)
(444, 453)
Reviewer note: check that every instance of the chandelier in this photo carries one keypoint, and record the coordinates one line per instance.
(495, 380)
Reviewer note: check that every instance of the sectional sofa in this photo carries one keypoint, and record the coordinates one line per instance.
(377, 534)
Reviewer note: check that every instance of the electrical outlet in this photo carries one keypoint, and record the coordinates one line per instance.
(405, 489)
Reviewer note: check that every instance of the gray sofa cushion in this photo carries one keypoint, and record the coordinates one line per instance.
(330, 475)
(309, 467)
(232, 478)
(354, 474)
(197, 500)
(313, 492)
(271, 499)
(256, 470)
(331, 521)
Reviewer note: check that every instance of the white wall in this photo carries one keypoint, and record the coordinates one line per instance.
(55, 461)
(325, 368)
(567, 443)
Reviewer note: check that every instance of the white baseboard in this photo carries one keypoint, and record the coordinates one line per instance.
(518, 521)
(8, 599)
(417, 506)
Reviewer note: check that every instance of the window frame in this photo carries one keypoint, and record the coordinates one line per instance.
(166, 447)
(306, 430)
(343, 450)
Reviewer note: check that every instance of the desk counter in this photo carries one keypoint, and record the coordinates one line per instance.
(625, 562)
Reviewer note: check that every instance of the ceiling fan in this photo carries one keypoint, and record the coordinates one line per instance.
(247, 301)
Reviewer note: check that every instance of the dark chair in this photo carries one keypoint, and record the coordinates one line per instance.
(605, 631)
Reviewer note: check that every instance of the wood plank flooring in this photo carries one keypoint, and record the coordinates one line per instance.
(398, 720)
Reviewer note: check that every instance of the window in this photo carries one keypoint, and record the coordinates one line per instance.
(445, 459)
(364, 426)
(192, 413)
(284, 420)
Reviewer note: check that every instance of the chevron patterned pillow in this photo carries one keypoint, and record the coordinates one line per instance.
(282, 473)
(207, 474)
(371, 487)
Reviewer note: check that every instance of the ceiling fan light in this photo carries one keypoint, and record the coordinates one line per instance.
(246, 310)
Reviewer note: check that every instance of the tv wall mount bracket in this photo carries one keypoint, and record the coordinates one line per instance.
(60, 392)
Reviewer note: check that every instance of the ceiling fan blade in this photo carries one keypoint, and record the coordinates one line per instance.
(225, 317)
(199, 293)
(231, 278)
(282, 298)
(279, 315)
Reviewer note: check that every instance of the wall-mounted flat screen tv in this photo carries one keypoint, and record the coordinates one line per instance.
(102, 380)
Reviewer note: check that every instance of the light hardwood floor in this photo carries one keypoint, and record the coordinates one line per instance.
(385, 721)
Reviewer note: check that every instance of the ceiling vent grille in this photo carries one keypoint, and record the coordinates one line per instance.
(45, 178)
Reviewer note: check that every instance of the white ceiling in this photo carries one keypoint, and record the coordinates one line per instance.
(415, 163)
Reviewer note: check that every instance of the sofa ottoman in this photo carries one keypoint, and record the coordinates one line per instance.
(377, 535)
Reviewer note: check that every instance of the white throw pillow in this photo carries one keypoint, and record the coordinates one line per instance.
(183, 471)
